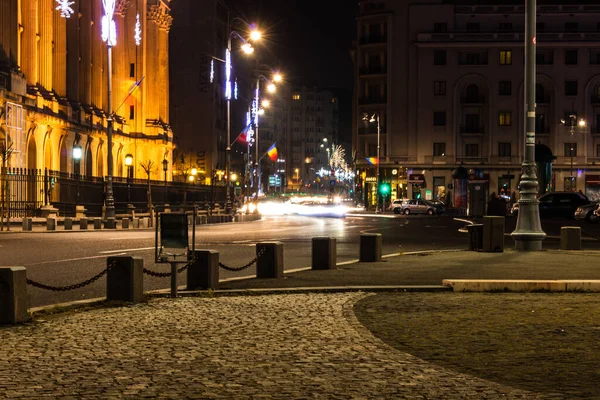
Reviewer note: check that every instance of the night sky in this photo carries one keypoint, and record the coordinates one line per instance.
(311, 41)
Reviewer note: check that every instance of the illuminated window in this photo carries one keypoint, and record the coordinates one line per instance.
(504, 118)
(296, 97)
(505, 57)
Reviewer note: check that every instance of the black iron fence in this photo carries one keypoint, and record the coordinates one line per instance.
(23, 193)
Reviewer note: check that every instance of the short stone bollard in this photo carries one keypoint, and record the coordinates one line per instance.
(203, 272)
(324, 253)
(97, 223)
(83, 223)
(27, 224)
(493, 234)
(51, 224)
(370, 247)
(125, 279)
(270, 261)
(143, 222)
(570, 238)
(125, 223)
(135, 222)
(13, 295)
(68, 225)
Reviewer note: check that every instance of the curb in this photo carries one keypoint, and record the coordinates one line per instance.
(520, 285)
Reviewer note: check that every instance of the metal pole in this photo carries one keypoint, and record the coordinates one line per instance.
(228, 148)
(173, 279)
(528, 234)
(257, 161)
(378, 154)
(166, 193)
(110, 200)
(572, 131)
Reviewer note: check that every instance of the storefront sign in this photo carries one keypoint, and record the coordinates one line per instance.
(416, 178)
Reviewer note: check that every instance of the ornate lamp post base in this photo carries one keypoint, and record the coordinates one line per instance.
(528, 234)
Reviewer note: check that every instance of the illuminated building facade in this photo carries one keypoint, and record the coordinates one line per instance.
(53, 86)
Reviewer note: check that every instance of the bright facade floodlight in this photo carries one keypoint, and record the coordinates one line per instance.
(581, 122)
(277, 77)
(247, 48)
(271, 88)
(255, 35)
(194, 171)
(77, 152)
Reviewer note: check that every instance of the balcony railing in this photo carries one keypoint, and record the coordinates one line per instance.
(472, 130)
(372, 100)
(374, 70)
(479, 99)
(472, 160)
(438, 159)
(374, 39)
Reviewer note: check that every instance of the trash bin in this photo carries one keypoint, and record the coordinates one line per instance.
(475, 237)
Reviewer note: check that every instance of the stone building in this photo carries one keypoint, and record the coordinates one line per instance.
(446, 78)
(54, 93)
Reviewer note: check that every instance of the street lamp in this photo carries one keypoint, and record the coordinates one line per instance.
(165, 164)
(375, 118)
(129, 164)
(247, 48)
(528, 234)
(77, 166)
(109, 35)
(572, 123)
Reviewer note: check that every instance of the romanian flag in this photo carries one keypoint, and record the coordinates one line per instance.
(372, 160)
(272, 152)
(243, 136)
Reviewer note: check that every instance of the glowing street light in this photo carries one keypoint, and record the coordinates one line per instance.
(247, 48)
(255, 35)
(277, 77)
(266, 103)
(271, 88)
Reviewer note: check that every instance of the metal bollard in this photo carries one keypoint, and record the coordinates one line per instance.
(51, 224)
(97, 223)
(270, 262)
(110, 223)
(173, 279)
(203, 273)
(570, 238)
(370, 247)
(493, 234)
(83, 223)
(68, 224)
(324, 253)
(125, 223)
(27, 224)
(13, 295)
(125, 280)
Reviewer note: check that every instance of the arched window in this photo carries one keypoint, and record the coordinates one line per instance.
(88, 162)
(472, 93)
(100, 162)
(63, 156)
(540, 94)
(31, 154)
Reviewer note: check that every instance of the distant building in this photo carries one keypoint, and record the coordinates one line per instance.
(446, 78)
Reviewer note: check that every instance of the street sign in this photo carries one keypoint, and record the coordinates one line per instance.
(174, 230)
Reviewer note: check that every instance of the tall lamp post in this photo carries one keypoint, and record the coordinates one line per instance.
(255, 35)
(109, 35)
(572, 123)
(375, 118)
(528, 234)
(129, 165)
(165, 164)
(77, 167)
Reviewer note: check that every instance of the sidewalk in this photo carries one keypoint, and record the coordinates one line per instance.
(291, 345)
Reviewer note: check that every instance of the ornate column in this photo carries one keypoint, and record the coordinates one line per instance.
(153, 94)
(163, 57)
(29, 56)
(45, 11)
(59, 61)
(10, 31)
(85, 54)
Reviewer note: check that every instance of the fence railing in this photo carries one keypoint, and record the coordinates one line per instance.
(23, 192)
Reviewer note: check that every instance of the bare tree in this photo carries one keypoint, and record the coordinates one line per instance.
(5, 152)
(148, 167)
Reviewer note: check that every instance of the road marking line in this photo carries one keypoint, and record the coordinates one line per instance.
(72, 259)
(123, 250)
(130, 238)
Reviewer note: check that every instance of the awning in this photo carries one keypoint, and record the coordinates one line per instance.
(416, 178)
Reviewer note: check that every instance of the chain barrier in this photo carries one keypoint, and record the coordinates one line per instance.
(167, 274)
(590, 235)
(72, 287)
(233, 269)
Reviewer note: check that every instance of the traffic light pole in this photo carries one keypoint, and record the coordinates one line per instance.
(378, 154)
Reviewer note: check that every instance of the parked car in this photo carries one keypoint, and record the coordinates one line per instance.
(597, 213)
(586, 212)
(416, 206)
(558, 204)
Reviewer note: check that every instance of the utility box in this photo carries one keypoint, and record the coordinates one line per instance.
(493, 234)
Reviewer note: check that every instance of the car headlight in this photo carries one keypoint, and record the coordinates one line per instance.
(579, 209)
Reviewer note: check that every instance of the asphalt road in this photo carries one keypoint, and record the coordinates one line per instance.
(65, 258)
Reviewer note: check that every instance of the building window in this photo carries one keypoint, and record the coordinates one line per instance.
(504, 118)
(439, 88)
(504, 150)
(131, 112)
(570, 149)
(570, 57)
(296, 97)
(439, 57)
(132, 70)
(473, 59)
(472, 150)
(439, 149)
(440, 27)
(570, 88)
(473, 27)
(505, 88)
(594, 57)
(439, 118)
(571, 27)
(505, 57)
(505, 27)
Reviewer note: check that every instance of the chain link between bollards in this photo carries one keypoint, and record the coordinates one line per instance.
(238, 269)
(72, 287)
(167, 274)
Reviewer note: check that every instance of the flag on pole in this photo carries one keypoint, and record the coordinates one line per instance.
(243, 136)
(372, 160)
(272, 152)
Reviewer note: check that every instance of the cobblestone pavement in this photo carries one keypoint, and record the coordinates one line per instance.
(281, 346)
